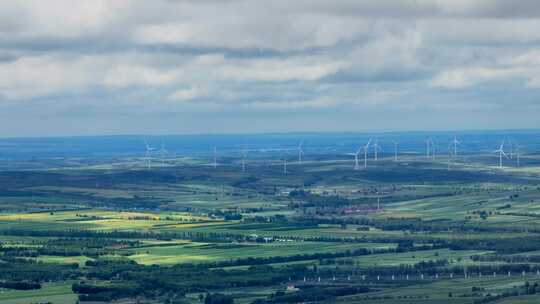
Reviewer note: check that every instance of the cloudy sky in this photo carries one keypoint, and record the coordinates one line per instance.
(201, 66)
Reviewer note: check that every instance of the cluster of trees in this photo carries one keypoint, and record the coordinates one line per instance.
(77, 233)
(133, 280)
(218, 298)
(401, 224)
(91, 247)
(21, 269)
(501, 245)
(506, 258)
(526, 289)
(313, 293)
(20, 285)
(109, 292)
(332, 203)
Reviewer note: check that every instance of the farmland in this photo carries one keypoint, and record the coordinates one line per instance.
(450, 230)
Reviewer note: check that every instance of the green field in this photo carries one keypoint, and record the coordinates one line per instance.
(54, 293)
(205, 252)
(133, 235)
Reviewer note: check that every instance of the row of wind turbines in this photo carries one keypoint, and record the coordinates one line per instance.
(430, 151)
(372, 145)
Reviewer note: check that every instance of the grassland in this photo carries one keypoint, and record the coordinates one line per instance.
(207, 252)
(57, 293)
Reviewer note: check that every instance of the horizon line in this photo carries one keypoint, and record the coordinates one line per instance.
(202, 134)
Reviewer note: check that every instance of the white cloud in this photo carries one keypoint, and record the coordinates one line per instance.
(188, 94)
(478, 32)
(63, 19)
(525, 66)
(467, 77)
(33, 76)
(293, 104)
(129, 75)
(259, 29)
(166, 33)
(394, 51)
(530, 58)
(37, 76)
(302, 54)
(281, 69)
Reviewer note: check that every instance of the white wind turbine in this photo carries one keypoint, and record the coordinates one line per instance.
(300, 152)
(366, 149)
(285, 154)
(450, 154)
(356, 166)
(518, 155)
(244, 156)
(215, 157)
(148, 154)
(501, 154)
(512, 149)
(396, 144)
(162, 152)
(433, 150)
(376, 149)
(428, 146)
(455, 142)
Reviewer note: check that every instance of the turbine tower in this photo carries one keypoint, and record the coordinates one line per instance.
(428, 146)
(356, 166)
(162, 153)
(501, 154)
(300, 152)
(376, 149)
(433, 151)
(512, 149)
(285, 162)
(148, 155)
(396, 144)
(518, 154)
(455, 142)
(366, 148)
(244, 157)
(215, 157)
(449, 154)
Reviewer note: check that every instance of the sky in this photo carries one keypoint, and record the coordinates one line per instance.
(99, 67)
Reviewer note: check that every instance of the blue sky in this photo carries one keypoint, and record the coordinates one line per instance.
(171, 67)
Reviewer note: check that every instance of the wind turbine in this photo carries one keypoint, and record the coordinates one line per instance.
(300, 152)
(148, 154)
(518, 154)
(449, 154)
(244, 155)
(433, 151)
(366, 148)
(356, 166)
(428, 145)
(285, 162)
(162, 153)
(511, 149)
(215, 157)
(376, 149)
(396, 144)
(501, 154)
(455, 142)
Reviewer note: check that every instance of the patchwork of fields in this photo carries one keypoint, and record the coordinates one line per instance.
(411, 232)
